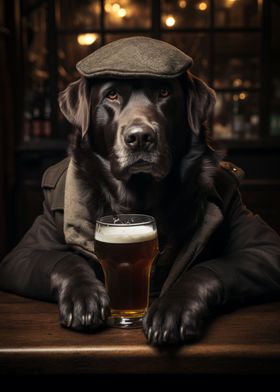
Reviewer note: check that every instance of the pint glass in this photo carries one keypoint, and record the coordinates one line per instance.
(126, 246)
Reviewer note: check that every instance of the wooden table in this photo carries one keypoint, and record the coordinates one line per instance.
(246, 341)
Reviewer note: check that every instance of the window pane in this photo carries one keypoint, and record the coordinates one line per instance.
(36, 109)
(69, 53)
(128, 14)
(184, 13)
(237, 60)
(82, 14)
(236, 116)
(196, 46)
(237, 13)
(275, 71)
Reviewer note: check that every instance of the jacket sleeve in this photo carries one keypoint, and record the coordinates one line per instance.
(250, 266)
(26, 269)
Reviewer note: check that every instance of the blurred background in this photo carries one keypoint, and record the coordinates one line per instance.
(235, 47)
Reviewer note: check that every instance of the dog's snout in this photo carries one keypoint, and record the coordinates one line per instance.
(140, 138)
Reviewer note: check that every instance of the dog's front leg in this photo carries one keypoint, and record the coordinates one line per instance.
(82, 299)
(181, 313)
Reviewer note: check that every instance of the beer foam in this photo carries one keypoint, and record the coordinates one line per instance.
(125, 234)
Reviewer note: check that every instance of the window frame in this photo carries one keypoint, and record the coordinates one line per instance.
(156, 31)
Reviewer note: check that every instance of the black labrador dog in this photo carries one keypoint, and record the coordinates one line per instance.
(142, 146)
(130, 150)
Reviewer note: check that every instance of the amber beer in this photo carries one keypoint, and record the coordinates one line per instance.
(126, 252)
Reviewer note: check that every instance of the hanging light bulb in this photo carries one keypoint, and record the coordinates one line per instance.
(86, 39)
(122, 12)
(170, 21)
(116, 7)
(182, 3)
(108, 7)
(202, 6)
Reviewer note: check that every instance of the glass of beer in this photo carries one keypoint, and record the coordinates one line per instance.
(126, 246)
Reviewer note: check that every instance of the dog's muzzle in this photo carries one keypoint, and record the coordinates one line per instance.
(140, 138)
(140, 141)
(139, 150)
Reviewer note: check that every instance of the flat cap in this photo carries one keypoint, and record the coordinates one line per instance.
(135, 57)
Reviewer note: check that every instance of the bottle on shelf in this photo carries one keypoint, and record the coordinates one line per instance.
(238, 123)
(41, 113)
(36, 122)
(47, 118)
(27, 121)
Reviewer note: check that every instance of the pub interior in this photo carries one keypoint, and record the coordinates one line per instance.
(235, 47)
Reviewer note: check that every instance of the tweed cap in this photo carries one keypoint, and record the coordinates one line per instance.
(135, 57)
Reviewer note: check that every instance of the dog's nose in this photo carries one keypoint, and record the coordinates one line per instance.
(140, 138)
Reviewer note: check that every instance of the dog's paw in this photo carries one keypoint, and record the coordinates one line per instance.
(181, 314)
(83, 306)
(170, 322)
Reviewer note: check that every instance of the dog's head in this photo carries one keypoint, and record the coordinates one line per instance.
(137, 106)
(139, 125)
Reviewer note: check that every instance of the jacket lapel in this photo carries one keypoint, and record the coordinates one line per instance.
(189, 253)
(78, 226)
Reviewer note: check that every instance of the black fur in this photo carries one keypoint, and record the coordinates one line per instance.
(176, 195)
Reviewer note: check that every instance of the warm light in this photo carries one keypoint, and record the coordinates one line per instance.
(242, 96)
(237, 82)
(116, 7)
(235, 97)
(86, 39)
(182, 3)
(108, 7)
(122, 13)
(170, 21)
(229, 3)
(202, 6)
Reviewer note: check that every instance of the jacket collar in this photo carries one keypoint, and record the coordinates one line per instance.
(186, 257)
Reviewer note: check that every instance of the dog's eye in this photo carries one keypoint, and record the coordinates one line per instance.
(164, 92)
(112, 95)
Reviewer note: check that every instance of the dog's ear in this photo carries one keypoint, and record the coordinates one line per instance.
(200, 102)
(74, 104)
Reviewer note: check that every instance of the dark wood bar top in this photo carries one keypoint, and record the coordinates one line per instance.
(244, 341)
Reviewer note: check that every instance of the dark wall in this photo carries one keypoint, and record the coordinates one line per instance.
(261, 185)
